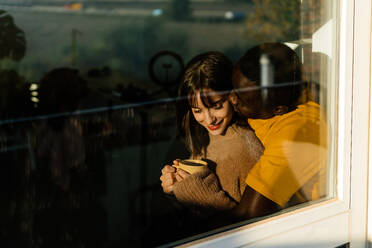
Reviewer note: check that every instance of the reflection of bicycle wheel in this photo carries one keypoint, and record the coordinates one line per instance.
(165, 68)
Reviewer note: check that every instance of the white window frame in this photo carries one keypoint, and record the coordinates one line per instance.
(341, 220)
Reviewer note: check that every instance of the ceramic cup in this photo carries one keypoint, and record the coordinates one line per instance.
(192, 165)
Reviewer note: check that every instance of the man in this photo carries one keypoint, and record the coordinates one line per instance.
(269, 91)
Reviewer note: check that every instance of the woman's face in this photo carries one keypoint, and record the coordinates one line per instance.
(215, 118)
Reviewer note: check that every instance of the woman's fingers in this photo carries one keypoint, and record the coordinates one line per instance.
(179, 178)
(167, 181)
(176, 162)
(181, 175)
(170, 175)
(168, 169)
(167, 189)
(168, 178)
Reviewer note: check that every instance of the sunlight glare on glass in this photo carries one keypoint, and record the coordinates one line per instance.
(229, 15)
(157, 12)
(34, 87)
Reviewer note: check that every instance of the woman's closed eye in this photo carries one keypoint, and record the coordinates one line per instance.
(218, 106)
(196, 110)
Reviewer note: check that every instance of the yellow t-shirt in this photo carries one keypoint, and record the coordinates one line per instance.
(294, 161)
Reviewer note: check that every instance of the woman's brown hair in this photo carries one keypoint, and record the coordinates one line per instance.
(207, 71)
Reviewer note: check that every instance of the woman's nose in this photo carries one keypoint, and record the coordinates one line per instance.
(210, 118)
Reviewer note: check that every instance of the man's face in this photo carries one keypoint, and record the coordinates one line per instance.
(247, 100)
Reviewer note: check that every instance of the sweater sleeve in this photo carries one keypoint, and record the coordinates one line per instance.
(203, 190)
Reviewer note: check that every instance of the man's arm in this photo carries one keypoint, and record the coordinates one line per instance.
(252, 205)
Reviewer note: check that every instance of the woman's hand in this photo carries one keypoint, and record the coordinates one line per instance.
(181, 175)
(168, 177)
(171, 175)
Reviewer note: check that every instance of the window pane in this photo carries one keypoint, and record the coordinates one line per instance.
(91, 94)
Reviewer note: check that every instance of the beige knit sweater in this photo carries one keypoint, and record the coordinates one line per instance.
(230, 157)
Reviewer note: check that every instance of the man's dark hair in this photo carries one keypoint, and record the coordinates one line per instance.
(287, 83)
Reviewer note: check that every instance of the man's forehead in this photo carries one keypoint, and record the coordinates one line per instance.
(241, 81)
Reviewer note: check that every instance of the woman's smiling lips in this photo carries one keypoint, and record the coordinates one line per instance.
(215, 127)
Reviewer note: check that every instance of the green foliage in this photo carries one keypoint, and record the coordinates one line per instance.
(12, 38)
(273, 20)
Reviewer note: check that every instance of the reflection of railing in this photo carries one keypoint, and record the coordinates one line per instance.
(89, 111)
(119, 125)
(101, 131)
(14, 148)
(14, 142)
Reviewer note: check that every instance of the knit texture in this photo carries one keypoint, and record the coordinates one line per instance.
(229, 157)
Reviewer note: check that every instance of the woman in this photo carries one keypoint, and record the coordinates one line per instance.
(213, 132)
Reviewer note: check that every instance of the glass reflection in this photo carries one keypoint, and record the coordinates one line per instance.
(88, 111)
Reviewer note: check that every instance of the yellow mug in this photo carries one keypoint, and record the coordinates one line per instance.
(192, 165)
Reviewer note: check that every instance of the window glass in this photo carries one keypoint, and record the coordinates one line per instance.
(91, 94)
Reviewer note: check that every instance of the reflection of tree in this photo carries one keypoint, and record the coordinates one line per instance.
(14, 100)
(273, 20)
(12, 38)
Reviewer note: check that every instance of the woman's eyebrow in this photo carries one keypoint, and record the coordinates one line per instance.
(219, 101)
